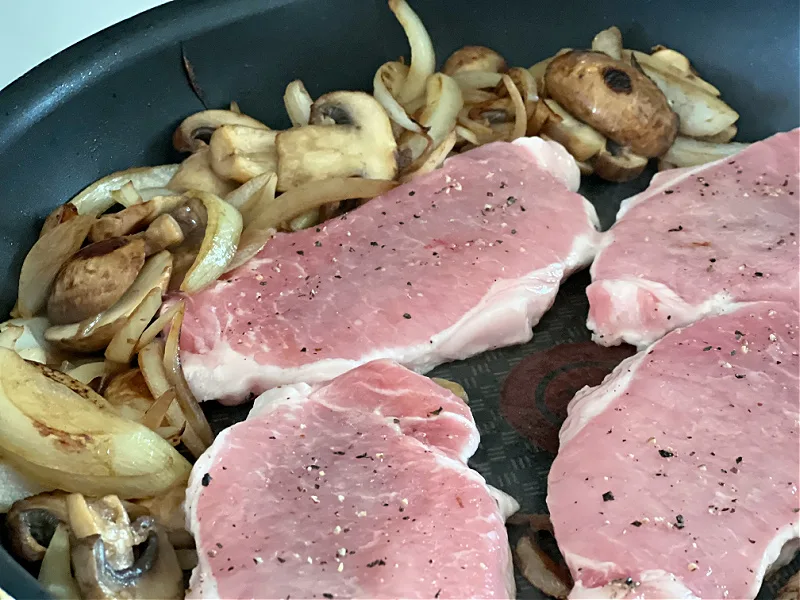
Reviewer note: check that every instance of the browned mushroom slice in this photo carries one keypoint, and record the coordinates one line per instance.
(241, 153)
(97, 331)
(791, 591)
(195, 131)
(614, 98)
(94, 279)
(32, 522)
(196, 173)
(133, 218)
(580, 140)
(617, 163)
(474, 58)
(350, 135)
(540, 570)
(154, 573)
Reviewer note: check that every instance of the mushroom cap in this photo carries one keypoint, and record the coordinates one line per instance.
(195, 130)
(617, 163)
(474, 58)
(615, 98)
(94, 279)
(32, 522)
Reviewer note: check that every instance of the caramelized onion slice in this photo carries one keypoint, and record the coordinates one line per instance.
(45, 259)
(520, 114)
(195, 417)
(388, 80)
(298, 103)
(423, 58)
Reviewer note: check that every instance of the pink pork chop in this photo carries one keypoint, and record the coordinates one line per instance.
(461, 260)
(698, 242)
(678, 476)
(358, 488)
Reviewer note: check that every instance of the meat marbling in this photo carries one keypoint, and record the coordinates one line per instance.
(694, 494)
(699, 242)
(358, 488)
(461, 260)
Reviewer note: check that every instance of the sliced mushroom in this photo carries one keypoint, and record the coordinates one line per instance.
(32, 522)
(94, 279)
(241, 153)
(350, 136)
(474, 58)
(95, 333)
(195, 173)
(195, 131)
(133, 218)
(162, 233)
(617, 163)
(615, 99)
(155, 572)
(580, 140)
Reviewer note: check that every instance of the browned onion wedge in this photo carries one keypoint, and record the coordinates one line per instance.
(540, 570)
(45, 259)
(186, 400)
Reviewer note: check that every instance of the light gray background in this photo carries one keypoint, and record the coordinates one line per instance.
(34, 30)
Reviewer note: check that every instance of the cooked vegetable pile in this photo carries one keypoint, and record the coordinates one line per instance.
(93, 400)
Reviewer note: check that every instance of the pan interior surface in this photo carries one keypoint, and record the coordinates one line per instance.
(112, 102)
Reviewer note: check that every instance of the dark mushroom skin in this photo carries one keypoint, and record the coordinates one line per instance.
(94, 279)
(31, 523)
(615, 98)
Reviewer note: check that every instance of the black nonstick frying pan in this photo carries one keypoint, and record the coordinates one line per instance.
(112, 101)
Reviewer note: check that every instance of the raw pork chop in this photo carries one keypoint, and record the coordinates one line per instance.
(699, 241)
(677, 477)
(354, 489)
(459, 261)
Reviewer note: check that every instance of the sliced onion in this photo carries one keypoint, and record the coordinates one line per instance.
(126, 195)
(443, 102)
(45, 259)
(300, 200)
(305, 220)
(61, 214)
(466, 135)
(88, 448)
(223, 229)
(541, 571)
(477, 80)
(245, 192)
(687, 152)
(55, 574)
(435, 159)
(520, 115)
(481, 131)
(157, 412)
(9, 334)
(122, 346)
(157, 326)
(97, 199)
(298, 103)
(264, 196)
(128, 394)
(388, 80)
(423, 58)
(195, 417)
(477, 96)
(88, 372)
(151, 362)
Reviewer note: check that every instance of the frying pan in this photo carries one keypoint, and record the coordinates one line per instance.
(112, 101)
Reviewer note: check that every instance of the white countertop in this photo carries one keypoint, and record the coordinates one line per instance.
(35, 30)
